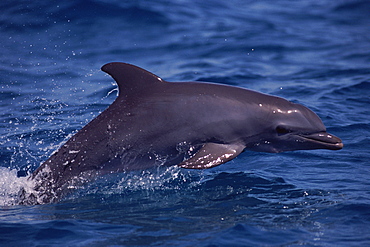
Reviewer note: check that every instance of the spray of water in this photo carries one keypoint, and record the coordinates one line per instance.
(11, 185)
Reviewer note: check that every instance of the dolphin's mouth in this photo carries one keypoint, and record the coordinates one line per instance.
(324, 140)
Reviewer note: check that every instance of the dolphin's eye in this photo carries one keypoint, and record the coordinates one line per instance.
(281, 130)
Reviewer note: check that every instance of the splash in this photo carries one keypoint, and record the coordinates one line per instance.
(162, 178)
(11, 185)
(16, 190)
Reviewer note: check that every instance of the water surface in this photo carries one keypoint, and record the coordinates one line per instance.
(310, 52)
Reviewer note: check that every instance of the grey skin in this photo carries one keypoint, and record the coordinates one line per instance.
(193, 125)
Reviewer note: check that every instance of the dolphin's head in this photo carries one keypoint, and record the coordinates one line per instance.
(293, 126)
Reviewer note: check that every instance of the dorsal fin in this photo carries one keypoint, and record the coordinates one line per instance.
(131, 79)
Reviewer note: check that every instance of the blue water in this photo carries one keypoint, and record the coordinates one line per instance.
(316, 53)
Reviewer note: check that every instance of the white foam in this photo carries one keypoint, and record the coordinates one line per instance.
(11, 185)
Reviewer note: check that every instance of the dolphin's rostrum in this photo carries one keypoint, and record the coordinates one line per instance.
(191, 124)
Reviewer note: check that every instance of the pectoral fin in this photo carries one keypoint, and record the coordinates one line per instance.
(212, 154)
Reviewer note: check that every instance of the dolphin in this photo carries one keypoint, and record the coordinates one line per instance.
(194, 125)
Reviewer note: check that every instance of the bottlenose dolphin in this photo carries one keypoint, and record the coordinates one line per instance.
(193, 125)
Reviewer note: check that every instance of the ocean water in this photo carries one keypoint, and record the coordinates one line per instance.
(316, 53)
